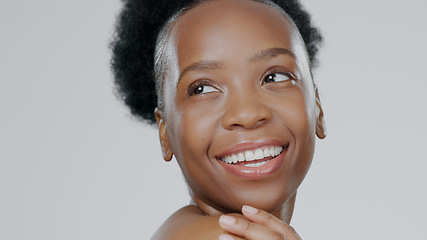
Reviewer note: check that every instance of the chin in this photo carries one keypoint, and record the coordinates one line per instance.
(270, 201)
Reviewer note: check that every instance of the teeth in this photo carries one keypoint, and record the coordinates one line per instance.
(234, 157)
(240, 157)
(266, 152)
(249, 155)
(272, 150)
(258, 164)
(257, 154)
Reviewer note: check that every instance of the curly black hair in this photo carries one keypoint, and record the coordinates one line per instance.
(134, 44)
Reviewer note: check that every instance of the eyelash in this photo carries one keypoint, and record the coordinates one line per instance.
(278, 71)
(207, 83)
(195, 85)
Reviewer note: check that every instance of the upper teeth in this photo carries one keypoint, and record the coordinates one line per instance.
(256, 154)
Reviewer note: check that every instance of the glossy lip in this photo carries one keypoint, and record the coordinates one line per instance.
(254, 173)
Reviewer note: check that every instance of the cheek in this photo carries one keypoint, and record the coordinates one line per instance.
(191, 138)
(295, 114)
(198, 124)
(305, 111)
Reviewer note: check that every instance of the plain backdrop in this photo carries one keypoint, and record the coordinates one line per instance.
(75, 165)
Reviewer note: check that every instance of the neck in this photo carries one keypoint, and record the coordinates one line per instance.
(284, 212)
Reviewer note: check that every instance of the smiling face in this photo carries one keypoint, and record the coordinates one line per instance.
(239, 105)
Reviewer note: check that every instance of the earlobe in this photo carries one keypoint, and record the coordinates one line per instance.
(320, 119)
(163, 136)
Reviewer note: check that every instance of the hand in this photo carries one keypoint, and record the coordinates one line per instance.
(255, 225)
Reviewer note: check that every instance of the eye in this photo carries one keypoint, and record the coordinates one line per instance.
(277, 77)
(204, 89)
(201, 87)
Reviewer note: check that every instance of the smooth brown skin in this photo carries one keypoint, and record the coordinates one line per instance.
(240, 43)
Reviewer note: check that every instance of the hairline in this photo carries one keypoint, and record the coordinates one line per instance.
(161, 59)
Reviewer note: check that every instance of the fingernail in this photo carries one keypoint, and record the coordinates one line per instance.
(249, 209)
(227, 220)
(225, 237)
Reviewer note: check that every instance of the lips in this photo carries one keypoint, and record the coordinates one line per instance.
(253, 160)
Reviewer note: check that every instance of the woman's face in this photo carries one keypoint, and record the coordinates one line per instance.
(240, 107)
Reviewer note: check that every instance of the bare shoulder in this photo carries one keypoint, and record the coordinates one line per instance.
(189, 223)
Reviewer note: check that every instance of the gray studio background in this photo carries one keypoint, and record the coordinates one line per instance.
(75, 165)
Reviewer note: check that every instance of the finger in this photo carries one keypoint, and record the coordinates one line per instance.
(267, 219)
(242, 227)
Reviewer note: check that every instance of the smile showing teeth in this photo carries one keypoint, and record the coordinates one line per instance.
(257, 154)
(258, 164)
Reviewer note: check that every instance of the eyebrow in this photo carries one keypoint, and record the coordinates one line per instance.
(211, 64)
(270, 53)
(202, 65)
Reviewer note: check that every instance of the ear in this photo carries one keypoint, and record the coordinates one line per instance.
(320, 119)
(164, 136)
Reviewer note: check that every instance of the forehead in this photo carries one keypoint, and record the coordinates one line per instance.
(223, 12)
(214, 27)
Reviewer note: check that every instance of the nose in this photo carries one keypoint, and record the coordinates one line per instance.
(245, 110)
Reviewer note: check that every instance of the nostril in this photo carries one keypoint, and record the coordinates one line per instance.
(260, 122)
(257, 124)
(245, 112)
